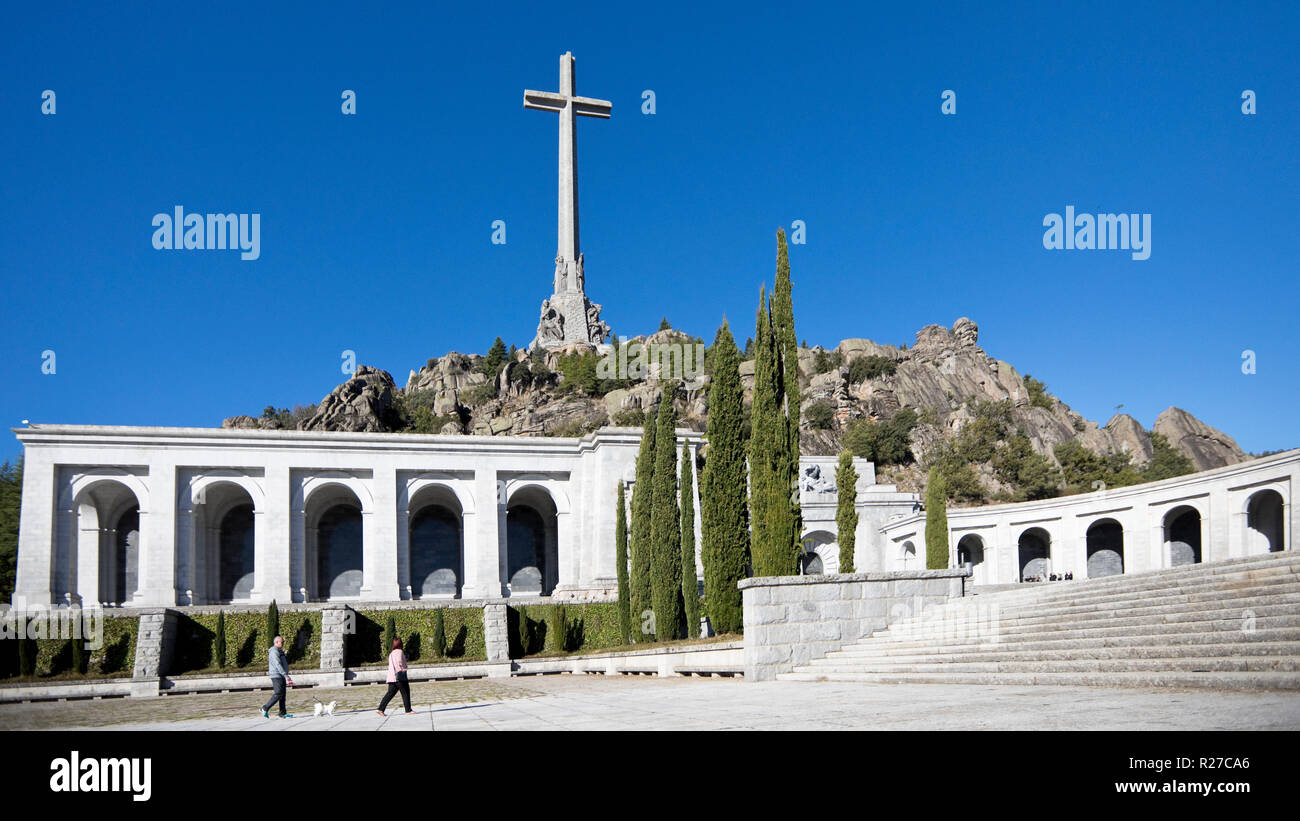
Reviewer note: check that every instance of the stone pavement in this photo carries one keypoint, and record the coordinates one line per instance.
(636, 703)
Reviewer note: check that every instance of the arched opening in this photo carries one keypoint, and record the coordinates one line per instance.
(334, 544)
(236, 554)
(1105, 549)
(225, 518)
(1183, 536)
(124, 579)
(101, 564)
(1035, 549)
(437, 563)
(907, 555)
(970, 551)
(532, 546)
(820, 554)
(1265, 523)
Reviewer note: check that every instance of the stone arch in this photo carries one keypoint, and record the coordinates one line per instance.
(1182, 535)
(907, 554)
(436, 542)
(1265, 522)
(104, 564)
(1105, 548)
(225, 508)
(333, 517)
(1034, 548)
(821, 553)
(532, 540)
(970, 550)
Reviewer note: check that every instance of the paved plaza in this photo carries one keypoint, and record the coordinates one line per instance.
(645, 703)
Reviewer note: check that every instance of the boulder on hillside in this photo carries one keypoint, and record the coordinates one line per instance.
(364, 403)
(1207, 447)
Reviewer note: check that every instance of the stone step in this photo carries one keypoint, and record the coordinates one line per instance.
(1277, 582)
(1238, 602)
(1046, 632)
(1218, 681)
(1167, 639)
(1030, 664)
(1047, 591)
(1019, 653)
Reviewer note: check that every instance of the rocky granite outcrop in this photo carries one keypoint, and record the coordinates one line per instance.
(363, 404)
(1205, 446)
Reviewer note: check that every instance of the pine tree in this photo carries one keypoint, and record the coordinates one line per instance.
(690, 582)
(787, 349)
(642, 509)
(439, 634)
(272, 621)
(724, 511)
(846, 511)
(494, 361)
(390, 633)
(620, 562)
(666, 529)
(219, 643)
(936, 522)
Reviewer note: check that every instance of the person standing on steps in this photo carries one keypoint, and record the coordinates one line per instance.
(278, 669)
(397, 681)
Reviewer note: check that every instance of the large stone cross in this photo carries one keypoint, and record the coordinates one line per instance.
(568, 276)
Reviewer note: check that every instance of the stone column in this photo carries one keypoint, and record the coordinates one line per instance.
(156, 586)
(153, 649)
(87, 521)
(36, 532)
(272, 541)
(483, 533)
(379, 547)
(336, 622)
(496, 636)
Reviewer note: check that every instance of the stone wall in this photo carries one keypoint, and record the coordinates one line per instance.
(791, 620)
(153, 645)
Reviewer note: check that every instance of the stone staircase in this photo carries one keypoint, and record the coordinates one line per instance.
(1233, 624)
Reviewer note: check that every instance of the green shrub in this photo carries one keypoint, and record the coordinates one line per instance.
(557, 629)
(462, 626)
(390, 633)
(884, 443)
(820, 415)
(588, 627)
(272, 621)
(245, 639)
(1038, 397)
(219, 643)
(870, 367)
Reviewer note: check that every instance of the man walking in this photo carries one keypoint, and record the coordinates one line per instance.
(278, 670)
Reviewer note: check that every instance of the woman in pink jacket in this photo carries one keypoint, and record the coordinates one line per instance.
(397, 680)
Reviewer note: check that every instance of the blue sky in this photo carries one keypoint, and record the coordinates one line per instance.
(376, 228)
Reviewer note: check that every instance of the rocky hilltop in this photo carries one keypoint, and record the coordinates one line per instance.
(945, 379)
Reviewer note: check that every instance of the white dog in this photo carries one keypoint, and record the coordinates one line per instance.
(327, 709)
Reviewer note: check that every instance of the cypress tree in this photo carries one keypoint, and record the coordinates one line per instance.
(272, 621)
(219, 643)
(558, 628)
(642, 509)
(525, 635)
(620, 562)
(846, 511)
(762, 438)
(724, 509)
(390, 633)
(936, 522)
(439, 634)
(787, 349)
(690, 582)
(773, 492)
(26, 650)
(78, 655)
(666, 530)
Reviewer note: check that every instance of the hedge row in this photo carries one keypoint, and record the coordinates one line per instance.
(54, 657)
(588, 627)
(246, 646)
(463, 627)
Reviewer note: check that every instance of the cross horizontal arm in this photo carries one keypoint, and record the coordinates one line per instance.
(545, 100)
(587, 107)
